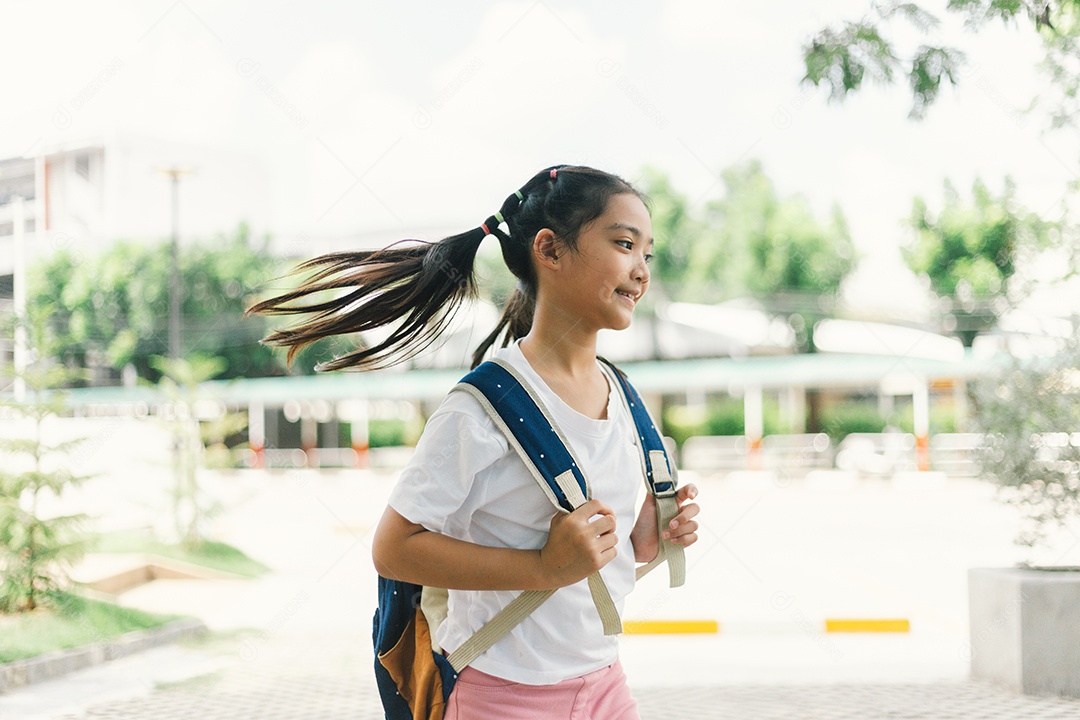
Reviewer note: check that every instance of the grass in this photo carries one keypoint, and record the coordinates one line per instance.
(208, 553)
(71, 621)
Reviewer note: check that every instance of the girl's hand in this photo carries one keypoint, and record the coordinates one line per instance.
(682, 530)
(578, 546)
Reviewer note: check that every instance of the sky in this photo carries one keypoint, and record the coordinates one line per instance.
(415, 119)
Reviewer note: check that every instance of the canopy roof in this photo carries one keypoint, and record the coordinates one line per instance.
(824, 370)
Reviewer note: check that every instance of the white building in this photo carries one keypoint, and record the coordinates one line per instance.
(85, 196)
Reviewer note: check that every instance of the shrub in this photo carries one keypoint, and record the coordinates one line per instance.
(1030, 417)
(843, 419)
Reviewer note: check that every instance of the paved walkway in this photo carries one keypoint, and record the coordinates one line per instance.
(324, 677)
(295, 644)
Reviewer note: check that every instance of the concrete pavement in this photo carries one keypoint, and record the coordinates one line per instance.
(773, 560)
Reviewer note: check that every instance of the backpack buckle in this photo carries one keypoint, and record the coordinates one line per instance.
(664, 489)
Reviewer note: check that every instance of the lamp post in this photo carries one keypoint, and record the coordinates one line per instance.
(19, 297)
(175, 290)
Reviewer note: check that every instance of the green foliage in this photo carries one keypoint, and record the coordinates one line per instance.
(1030, 417)
(675, 232)
(680, 422)
(725, 418)
(75, 621)
(386, 432)
(942, 420)
(929, 67)
(842, 419)
(1062, 65)
(750, 241)
(841, 58)
(968, 252)
(35, 550)
(113, 309)
(772, 245)
(719, 417)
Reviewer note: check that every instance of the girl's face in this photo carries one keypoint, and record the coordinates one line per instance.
(601, 282)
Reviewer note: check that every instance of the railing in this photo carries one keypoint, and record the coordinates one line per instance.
(790, 454)
(865, 454)
(796, 454)
(955, 454)
(717, 453)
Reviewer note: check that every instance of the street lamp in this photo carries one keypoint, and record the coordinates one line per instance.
(175, 290)
(18, 279)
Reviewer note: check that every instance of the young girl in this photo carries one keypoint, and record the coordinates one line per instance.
(466, 514)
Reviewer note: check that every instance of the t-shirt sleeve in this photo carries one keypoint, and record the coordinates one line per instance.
(459, 442)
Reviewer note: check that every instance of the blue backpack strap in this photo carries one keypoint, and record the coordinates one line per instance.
(660, 478)
(516, 409)
(529, 428)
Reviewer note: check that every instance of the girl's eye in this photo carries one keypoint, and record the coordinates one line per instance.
(625, 243)
(648, 258)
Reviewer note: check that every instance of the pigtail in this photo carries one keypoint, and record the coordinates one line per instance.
(417, 287)
(515, 322)
(420, 284)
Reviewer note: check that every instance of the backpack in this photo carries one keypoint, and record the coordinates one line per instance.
(414, 677)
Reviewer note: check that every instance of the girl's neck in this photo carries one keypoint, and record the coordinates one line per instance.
(560, 346)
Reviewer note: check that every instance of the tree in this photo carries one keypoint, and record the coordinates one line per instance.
(773, 249)
(676, 231)
(34, 549)
(750, 241)
(1026, 414)
(969, 253)
(842, 58)
(198, 441)
(111, 310)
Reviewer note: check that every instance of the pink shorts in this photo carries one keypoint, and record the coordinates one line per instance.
(600, 695)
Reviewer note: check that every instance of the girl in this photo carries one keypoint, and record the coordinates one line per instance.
(465, 513)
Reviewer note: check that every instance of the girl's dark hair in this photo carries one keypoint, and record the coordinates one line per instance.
(422, 284)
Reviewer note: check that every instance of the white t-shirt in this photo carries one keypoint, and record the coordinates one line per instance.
(465, 481)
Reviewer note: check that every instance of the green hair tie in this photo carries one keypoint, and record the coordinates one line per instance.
(499, 217)
(520, 196)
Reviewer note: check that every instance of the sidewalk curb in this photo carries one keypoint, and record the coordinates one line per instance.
(19, 673)
(715, 627)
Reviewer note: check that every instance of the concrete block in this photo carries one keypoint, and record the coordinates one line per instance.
(1025, 631)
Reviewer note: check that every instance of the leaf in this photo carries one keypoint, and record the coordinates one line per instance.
(928, 68)
(842, 60)
(922, 19)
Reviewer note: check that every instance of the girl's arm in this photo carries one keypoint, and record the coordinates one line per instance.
(682, 530)
(577, 546)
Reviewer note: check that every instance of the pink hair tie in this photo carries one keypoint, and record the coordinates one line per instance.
(485, 229)
(553, 171)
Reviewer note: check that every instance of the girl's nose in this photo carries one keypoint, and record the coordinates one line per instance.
(641, 270)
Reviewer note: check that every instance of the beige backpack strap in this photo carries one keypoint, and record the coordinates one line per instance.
(667, 506)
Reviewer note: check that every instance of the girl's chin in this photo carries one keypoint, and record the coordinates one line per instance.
(621, 324)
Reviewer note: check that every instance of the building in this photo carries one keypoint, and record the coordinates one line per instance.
(82, 197)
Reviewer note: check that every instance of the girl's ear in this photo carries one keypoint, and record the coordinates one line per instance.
(547, 249)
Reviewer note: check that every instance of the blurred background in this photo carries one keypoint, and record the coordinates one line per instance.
(865, 223)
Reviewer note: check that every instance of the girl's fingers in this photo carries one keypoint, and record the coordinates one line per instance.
(687, 492)
(687, 512)
(686, 540)
(682, 530)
